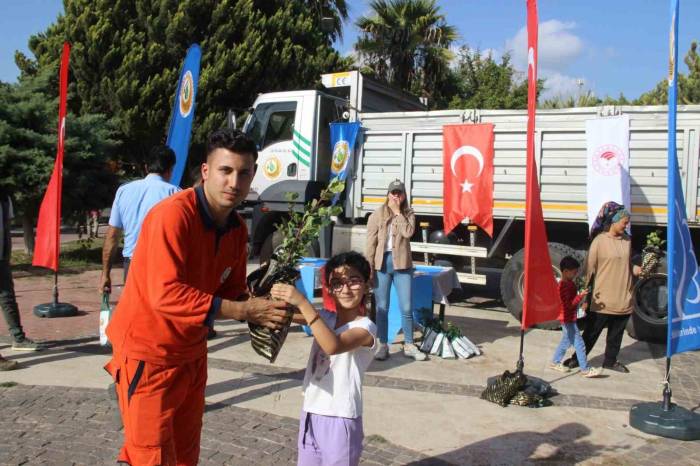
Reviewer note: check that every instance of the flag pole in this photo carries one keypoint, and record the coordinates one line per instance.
(666, 404)
(667, 419)
(520, 365)
(48, 231)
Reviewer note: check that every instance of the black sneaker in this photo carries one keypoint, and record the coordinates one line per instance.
(617, 366)
(571, 363)
(26, 344)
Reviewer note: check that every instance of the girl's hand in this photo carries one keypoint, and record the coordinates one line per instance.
(636, 270)
(287, 293)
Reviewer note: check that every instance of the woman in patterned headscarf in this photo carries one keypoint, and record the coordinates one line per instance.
(609, 267)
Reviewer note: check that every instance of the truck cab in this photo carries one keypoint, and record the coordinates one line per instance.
(292, 133)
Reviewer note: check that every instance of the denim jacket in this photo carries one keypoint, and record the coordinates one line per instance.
(403, 226)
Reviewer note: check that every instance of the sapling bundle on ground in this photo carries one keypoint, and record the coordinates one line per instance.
(447, 343)
(298, 230)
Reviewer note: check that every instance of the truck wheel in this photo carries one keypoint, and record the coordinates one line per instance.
(513, 275)
(649, 321)
(274, 239)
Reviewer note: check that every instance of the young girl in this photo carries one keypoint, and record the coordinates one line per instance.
(330, 429)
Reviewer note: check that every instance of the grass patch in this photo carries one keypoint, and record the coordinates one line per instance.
(75, 257)
(8, 384)
(374, 438)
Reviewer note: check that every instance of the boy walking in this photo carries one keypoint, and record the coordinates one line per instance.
(567, 316)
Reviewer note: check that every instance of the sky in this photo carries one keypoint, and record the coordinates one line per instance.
(605, 46)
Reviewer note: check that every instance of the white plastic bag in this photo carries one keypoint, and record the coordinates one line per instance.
(105, 314)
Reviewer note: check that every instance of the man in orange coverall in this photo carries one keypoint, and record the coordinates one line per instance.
(189, 268)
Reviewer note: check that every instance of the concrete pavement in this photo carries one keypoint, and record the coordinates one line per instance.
(415, 413)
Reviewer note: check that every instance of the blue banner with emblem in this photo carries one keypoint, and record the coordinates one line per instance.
(343, 137)
(183, 112)
(683, 276)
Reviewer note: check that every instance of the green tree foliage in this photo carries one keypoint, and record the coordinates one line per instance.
(482, 82)
(127, 56)
(688, 84)
(28, 139)
(407, 44)
(588, 99)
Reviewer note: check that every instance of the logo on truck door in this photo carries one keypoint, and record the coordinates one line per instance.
(607, 160)
(272, 168)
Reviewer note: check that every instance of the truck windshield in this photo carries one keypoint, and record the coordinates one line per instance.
(271, 123)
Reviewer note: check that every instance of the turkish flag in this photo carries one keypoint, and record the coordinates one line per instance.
(467, 166)
(48, 228)
(540, 293)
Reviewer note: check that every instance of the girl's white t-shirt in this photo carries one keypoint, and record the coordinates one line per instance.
(333, 384)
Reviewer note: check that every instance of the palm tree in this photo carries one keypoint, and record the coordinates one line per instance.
(406, 43)
(331, 14)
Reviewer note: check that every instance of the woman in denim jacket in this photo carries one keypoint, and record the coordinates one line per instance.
(389, 232)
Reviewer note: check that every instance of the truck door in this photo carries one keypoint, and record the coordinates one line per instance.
(272, 127)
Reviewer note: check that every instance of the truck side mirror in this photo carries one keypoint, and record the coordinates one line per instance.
(231, 119)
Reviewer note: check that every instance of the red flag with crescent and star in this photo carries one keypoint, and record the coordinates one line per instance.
(540, 292)
(467, 164)
(48, 228)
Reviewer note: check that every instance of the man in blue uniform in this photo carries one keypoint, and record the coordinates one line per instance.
(131, 204)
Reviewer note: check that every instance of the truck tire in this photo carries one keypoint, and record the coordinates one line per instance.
(512, 280)
(274, 239)
(649, 321)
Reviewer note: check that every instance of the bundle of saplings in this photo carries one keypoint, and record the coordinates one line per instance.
(298, 230)
(447, 343)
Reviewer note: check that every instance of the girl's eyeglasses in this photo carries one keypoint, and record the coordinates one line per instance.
(353, 283)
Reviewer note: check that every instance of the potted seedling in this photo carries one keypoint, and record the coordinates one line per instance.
(298, 231)
(652, 253)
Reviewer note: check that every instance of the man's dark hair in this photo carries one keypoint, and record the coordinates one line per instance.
(160, 160)
(350, 259)
(569, 263)
(233, 140)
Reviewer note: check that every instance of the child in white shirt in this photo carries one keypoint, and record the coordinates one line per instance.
(330, 429)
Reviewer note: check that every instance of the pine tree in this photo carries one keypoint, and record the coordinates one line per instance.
(28, 139)
(127, 55)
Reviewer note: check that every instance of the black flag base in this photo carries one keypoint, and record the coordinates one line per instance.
(676, 422)
(55, 309)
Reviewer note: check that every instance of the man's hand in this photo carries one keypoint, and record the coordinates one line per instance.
(105, 283)
(287, 293)
(268, 313)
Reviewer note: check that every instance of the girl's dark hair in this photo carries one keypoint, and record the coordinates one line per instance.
(569, 263)
(349, 259)
(233, 140)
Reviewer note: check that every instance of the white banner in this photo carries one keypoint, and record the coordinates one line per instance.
(608, 174)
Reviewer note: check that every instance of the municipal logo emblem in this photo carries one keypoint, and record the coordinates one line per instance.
(607, 160)
(272, 168)
(225, 275)
(186, 95)
(341, 152)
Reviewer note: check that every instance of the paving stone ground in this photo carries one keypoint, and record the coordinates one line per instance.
(65, 426)
(62, 426)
